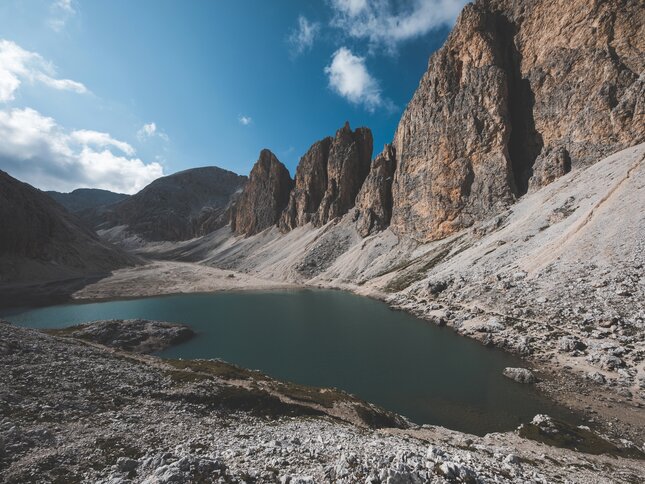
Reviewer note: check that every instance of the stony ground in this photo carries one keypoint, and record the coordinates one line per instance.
(75, 411)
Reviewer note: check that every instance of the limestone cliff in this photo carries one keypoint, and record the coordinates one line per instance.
(264, 197)
(374, 201)
(349, 160)
(521, 92)
(310, 186)
(328, 178)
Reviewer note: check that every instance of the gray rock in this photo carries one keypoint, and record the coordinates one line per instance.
(138, 335)
(125, 464)
(520, 375)
(570, 343)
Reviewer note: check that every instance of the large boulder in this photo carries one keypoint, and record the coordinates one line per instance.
(520, 375)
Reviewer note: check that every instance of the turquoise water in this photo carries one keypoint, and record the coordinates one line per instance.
(336, 339)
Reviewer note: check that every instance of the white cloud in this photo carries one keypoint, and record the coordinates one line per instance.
(150, 130)
(37, 150)
(350, 7)
(18, 64)
(386, 23)
(100, 140)
(303, 36)
(245, 120)
(349, 77)
(61, 12)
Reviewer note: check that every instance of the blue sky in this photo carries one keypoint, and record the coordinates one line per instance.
(112, 94)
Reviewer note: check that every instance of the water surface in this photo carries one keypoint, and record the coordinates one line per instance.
(336, 339)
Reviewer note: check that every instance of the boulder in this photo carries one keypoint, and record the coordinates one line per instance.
(568, 344)
(520, 375)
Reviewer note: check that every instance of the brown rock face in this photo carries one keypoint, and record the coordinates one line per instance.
(349, 160)
(374, 201)
(265, 196)
(521, 91)
(310, 186)
(328, 178)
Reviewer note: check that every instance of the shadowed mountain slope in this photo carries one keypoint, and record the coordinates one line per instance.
(41, 241)
(181, 206)
(86, 198)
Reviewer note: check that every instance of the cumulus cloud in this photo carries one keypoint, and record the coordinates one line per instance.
(303, 36)
(387, 23)
(150, 130)
(349, 77)
(245, 120)
(61, 12)
(37, 150)
(18, 65)
(100, 140)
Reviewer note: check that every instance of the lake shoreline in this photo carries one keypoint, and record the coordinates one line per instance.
(597, 404)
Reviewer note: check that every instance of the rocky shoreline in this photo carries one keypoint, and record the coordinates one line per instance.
(78, 411)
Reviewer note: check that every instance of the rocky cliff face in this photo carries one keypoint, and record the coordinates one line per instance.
(521, 92)
(328, 178)
(264, 197)
(374, 201)
(40, 240)
(349, 160)
(181, 206)
(310, 186)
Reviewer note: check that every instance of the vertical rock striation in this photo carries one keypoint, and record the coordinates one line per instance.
(328, 178)
(374, 201)
(521, 92)
(264, 197)
(349, 160)
(310, 186)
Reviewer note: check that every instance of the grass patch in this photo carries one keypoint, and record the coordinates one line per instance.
(575, 438)
(325, 397)
(67, 331)
(416, 272)
(198, 370)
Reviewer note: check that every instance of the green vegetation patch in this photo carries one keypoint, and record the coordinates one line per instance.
(578, 439)
(196, 370)
(416, 272)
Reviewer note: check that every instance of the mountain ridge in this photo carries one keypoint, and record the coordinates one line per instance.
(86, 198)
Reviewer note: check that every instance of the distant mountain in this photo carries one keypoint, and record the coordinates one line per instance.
(84, 198)
(181, 206)
(41, 241)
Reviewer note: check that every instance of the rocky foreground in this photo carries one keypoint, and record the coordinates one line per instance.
(75, 411)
